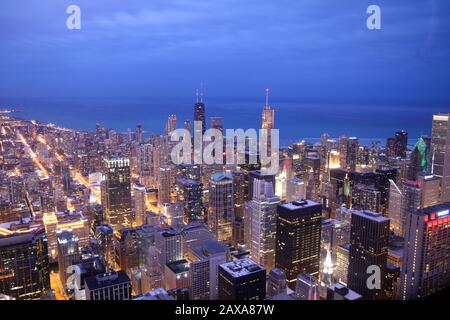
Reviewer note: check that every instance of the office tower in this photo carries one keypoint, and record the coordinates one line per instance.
(242, 279)
(342, 260)
(383, 176)
(261, 222)
(170, 246)
(238, 194)
(171, 124)
(420, 162)
(24, 266)
(66, 179)
(295, 189)
(352, 153)
(216, 123)
(104, 234)
(298, 239)
(268, 122)
(425, 268)
(411, 201)
(199, 113)
(306, 287)
(276, 282)
(431, 185)
(139, 136)
(164, 184)
(333, 234)
(189, 171)
(68, 254)
(108, 286)
(395, 209)
(339, 291)
(259, 175)
(176, 214)
(151, 271)
(139, 204)
(369, 241)
(440, 146)
(312, 177)
(401, 142)
(390, 148)
(343, 152)
(190, 193)
(144, 160)
(366, 197)
(204, 269)
(118, 192)
(221, 209)
(176, 275)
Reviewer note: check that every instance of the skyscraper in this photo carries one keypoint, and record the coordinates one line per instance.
(401, 142)
(139, 204)
(426, 267)
(261, 221)
(118, 192)
(221, 209)
(369, 241)
(307, 287)
(171, 124)
(276, 282)
(199, 112)
(108, 286)
(440, 146)
(216, 123)
(24, 267)
(268, 122)
(68, 253)
(190, 192)
(242, 279)
(298, 239)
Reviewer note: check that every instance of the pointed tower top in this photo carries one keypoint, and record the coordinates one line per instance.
(201, 92)
(197, 95)
(267, 97)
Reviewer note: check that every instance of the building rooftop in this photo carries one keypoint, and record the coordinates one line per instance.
(242, 267)
(106, 279)
(375, 216)
(179, 266)
(295, 205)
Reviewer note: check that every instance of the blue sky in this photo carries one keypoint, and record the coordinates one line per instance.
(318, 49)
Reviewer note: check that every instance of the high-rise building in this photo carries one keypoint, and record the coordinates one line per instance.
(276, 282)
(298, 239)
(170, 246)
(295, 189)
(204, 269)
(258, 175)
(352, 153)
(24, 265)
(221, 209)
(199, 113)
(68, 254)
(139, 204)
(108, 286)
(343, 152)
(307, 287)
(118, 192)
(369, 241)
(440, 146)
(342, 260)
(139, 136)
(426, 267)
(401, 142)
(366, 197)
(261, 221)
(242, 279)
(104, 234)
(268, 122)
(171, 124)
(164, 184)
(339, 291)
(190, 192)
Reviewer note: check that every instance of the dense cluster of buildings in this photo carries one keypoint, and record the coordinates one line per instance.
(108, 216)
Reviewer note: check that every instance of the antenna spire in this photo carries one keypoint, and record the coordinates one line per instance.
(197, 95)
(267, 97)
(201, 92)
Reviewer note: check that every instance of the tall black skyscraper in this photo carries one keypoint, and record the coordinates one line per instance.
(118, 192)
(369, 239)
(199, 111)
(401, 141)
(24, 267)
(298, 239)
(242, 279)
